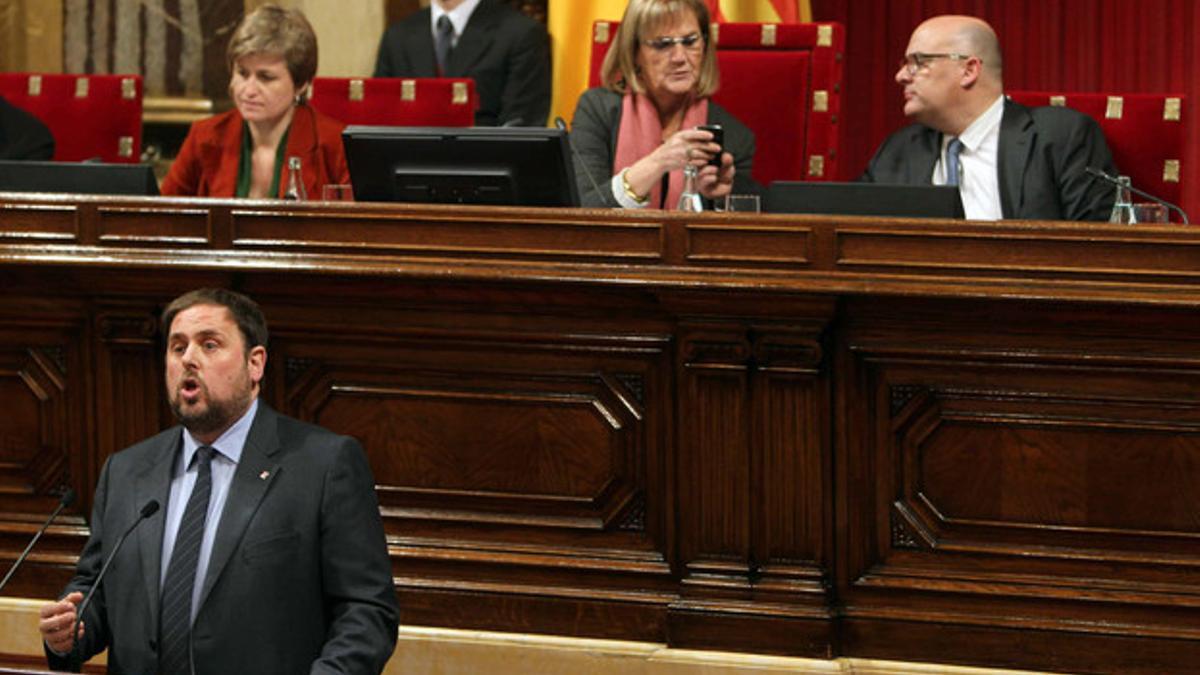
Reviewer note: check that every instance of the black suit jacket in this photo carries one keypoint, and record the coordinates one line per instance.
(1041, 160)
(504, 51)
(23, 136)
(594, 131)
(299, 579)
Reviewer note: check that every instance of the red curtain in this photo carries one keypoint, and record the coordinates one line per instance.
(1130, 46)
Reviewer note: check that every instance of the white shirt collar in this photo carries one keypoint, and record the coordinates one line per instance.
(229, 444)
(972, 137)
(459, 16)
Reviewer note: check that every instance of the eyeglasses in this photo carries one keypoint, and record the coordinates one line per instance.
(664, 44)
(918, 60)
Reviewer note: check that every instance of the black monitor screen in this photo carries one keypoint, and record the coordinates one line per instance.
(480, 165)
(865, 199)
(89, 178)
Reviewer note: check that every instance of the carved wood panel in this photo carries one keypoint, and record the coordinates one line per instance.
(753, 482)
(40, 439)
(513, 453)
(1015, 472)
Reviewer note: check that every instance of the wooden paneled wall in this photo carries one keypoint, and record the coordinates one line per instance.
(975, 443)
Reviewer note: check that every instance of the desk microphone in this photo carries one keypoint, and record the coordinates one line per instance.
(562, 126)
(1097, 173)
(148, 510)
(67, 499)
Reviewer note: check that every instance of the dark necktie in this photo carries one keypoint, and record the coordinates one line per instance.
(441, 44)
(175, 621)
(953, 168)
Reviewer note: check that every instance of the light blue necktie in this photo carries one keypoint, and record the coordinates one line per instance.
(953, 168)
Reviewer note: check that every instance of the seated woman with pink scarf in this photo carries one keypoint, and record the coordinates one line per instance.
(640, 128)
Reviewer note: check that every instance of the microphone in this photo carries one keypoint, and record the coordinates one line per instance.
(67, 499)
(562, 126)
(1097, 173)
(148, 510)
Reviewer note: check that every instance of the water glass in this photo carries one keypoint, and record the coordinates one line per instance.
(1150, 213)
(341, 192)
(742, 203)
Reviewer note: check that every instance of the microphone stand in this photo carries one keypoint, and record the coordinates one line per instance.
(68, 498)
(561, 125)
(76, 660)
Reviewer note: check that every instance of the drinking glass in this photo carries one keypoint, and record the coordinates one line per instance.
(742, 203)
(341, 192)
(1150, 213)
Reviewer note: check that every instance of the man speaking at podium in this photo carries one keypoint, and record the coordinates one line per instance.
(268, 554)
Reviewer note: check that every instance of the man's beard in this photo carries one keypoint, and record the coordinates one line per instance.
(218, 415)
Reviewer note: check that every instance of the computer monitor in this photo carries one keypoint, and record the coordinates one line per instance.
(520, 166)
(90, 178)
(865, 199)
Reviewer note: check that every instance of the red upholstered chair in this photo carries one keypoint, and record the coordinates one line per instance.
(90, 115)
(393, 101)
(781, 80)
(1144, 132)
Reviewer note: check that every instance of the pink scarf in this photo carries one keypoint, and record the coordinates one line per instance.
(641, 133)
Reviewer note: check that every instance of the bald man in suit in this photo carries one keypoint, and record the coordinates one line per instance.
(1009, 161)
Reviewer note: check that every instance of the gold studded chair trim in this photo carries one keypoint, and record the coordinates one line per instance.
(1172, 109)
(1116, 108)
(1171, 171)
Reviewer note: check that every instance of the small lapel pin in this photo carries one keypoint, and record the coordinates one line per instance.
(263, 475)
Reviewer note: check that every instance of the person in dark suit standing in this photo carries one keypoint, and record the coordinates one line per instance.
(268, 554)
(504, 51)
(23, 136)
(1009, 161)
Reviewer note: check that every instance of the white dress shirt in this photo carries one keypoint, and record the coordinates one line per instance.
(979, 184)
(459, 16)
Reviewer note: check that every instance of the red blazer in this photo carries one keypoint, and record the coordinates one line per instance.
(207, 165)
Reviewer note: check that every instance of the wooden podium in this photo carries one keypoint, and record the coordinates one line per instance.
(919, 440)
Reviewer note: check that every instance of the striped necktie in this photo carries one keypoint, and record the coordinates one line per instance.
(175, 619)
(442, 43)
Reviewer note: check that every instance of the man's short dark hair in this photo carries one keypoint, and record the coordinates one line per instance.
(246, 313)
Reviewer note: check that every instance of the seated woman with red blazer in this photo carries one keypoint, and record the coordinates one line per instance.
(245, 152)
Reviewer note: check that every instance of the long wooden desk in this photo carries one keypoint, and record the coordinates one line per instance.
(917, 440)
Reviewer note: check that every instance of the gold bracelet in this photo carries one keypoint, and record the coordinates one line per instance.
(629, 189)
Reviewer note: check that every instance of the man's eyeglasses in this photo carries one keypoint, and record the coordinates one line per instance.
(664, 44)
(918, 60)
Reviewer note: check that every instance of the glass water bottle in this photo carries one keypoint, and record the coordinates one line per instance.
(689, 200)
(295, 184)
(1122, 210)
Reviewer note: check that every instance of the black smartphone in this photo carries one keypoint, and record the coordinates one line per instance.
(719, 138)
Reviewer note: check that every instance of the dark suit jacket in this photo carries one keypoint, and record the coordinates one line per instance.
(299, 580)
(23, 136)
(594, 140)
(207, 165)
(1041, 160)
(506, 53)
